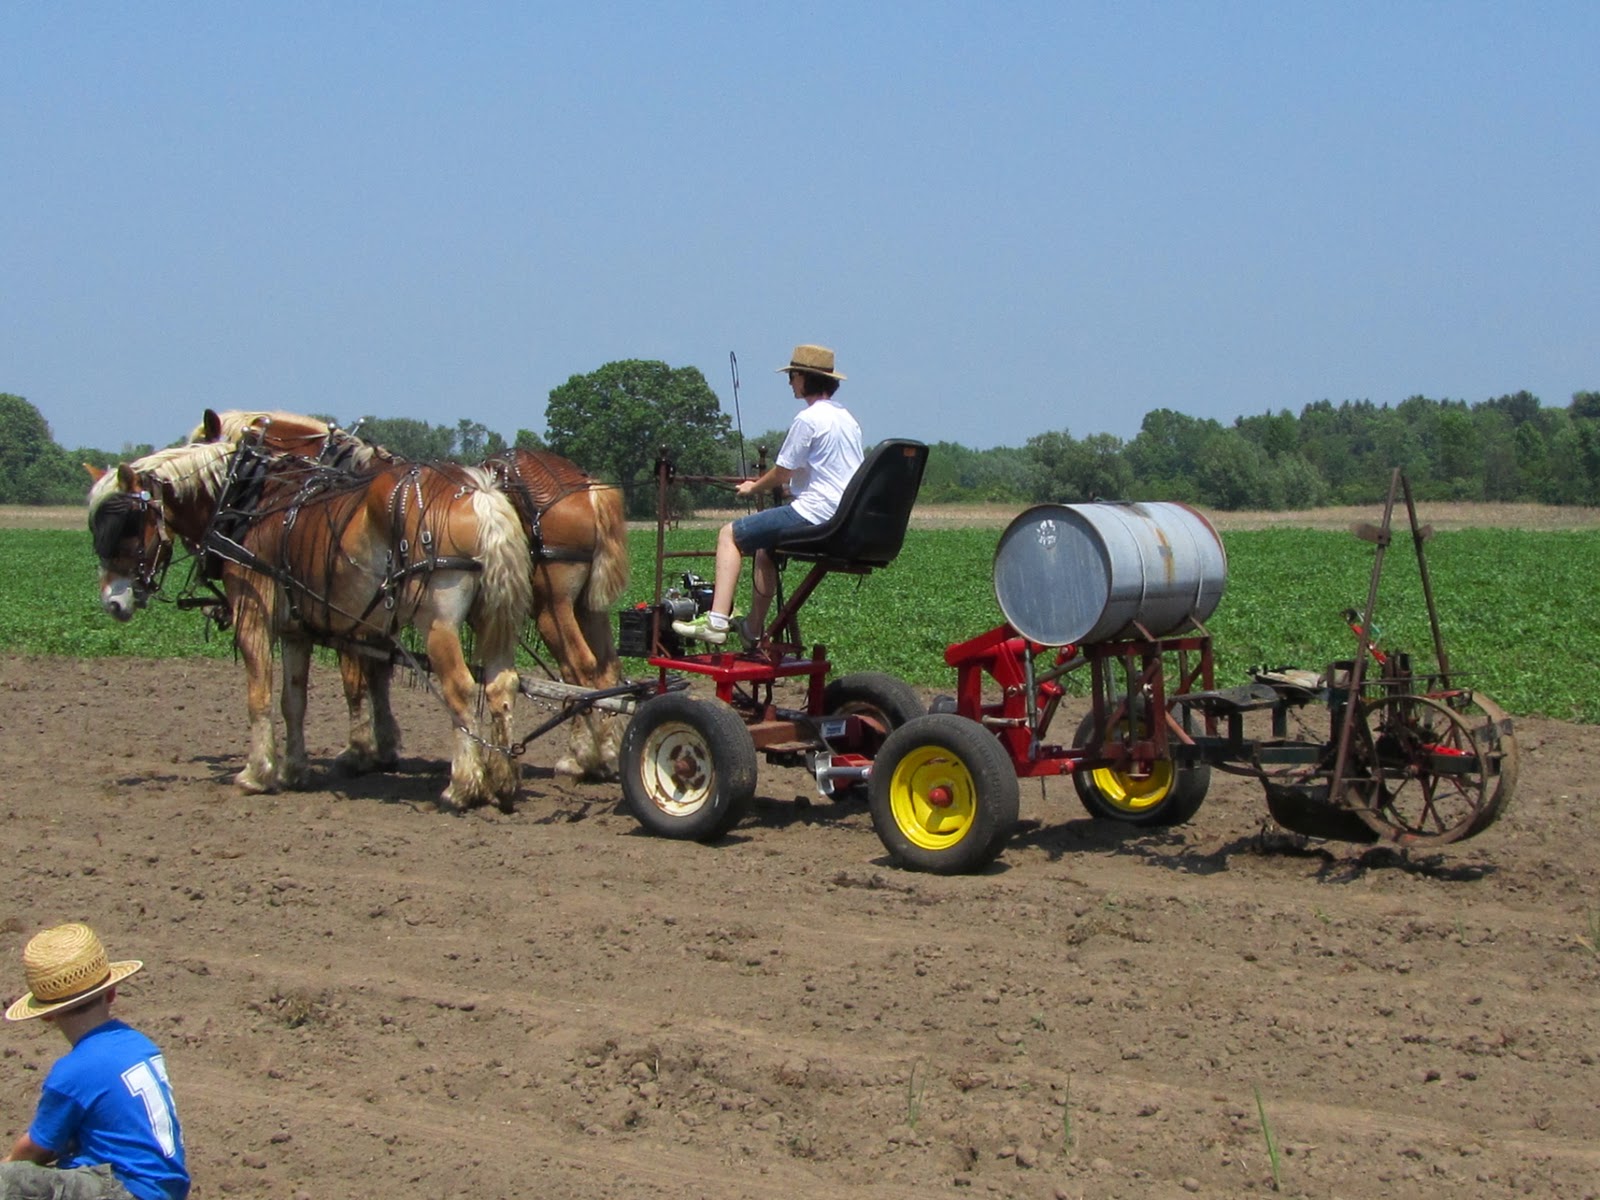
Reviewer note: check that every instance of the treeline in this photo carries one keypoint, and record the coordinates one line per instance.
(1507, 449)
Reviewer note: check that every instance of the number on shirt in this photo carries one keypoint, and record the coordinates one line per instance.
(145, 1080)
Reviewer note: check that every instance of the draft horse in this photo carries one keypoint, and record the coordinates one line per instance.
(577, 536)
(313, 556)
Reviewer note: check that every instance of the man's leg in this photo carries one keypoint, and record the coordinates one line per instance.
(764, 585)
(726, 583)
(712, 625)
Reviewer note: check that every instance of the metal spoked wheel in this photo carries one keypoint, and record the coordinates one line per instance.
(1430, 769)
(1166, 795)
(688, 767)
(943, 794)
(1491, 728)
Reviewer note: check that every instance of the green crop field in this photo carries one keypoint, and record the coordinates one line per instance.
(1513, 606)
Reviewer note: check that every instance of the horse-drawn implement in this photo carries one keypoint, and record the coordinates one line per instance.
(344, 547)
(1121, 591)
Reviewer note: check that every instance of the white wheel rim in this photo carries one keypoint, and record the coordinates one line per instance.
(676, 770)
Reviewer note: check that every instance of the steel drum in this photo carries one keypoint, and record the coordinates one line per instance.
(1087, 573)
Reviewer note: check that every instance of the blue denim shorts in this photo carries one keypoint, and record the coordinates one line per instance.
(763, 530)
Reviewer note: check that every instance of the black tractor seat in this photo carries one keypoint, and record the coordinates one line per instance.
(869, 526)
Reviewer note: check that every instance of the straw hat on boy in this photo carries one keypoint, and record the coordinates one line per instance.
(65, 966)
(817, 360)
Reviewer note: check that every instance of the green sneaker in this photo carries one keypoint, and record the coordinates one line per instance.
(701, 629)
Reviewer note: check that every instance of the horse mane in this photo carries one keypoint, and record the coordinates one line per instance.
(332, 445)
(236, 422)
(191, 471)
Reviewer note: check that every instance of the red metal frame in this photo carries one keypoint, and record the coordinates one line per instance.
(1021, 717)
(780, 654)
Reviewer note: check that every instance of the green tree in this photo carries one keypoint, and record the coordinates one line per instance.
(1292, 482)
(1232, 473)
(1072, 471)
(771, 441)
(1164, 455)
(527, 439)
(1585, 406)
(1461, 459)
(24, 441)
(1567, 479)
(409, 437)
(1276, 433)
(1587, 440)
(472, 440)
(957, 474)
(1533, 461)
(614, 422)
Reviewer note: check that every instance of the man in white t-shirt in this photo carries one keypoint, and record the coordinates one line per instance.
(817, 459)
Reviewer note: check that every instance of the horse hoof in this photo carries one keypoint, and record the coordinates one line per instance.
(459, 800)
(568, 765)
(600, 773)
(251, 786)
(350, 764)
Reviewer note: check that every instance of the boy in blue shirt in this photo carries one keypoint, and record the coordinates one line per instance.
(105, 1127)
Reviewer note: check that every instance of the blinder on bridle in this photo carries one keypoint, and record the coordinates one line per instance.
(122, 517)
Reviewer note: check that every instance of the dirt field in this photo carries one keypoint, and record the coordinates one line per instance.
(360, 996)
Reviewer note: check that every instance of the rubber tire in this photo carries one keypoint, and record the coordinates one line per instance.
(885, 701)
(1171, 796)
(888, 701)
(718, 761)
(948, 751)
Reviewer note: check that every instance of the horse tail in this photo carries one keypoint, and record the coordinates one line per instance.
(505, 600)
(608, 573)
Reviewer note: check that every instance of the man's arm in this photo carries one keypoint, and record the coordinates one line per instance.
(28, 1150)
(775, 478)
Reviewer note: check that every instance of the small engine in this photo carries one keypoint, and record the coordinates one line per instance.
(683, 603)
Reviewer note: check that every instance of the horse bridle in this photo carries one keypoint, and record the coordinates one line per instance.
(150, 567)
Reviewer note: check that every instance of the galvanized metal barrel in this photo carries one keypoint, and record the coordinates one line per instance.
(1087, 573)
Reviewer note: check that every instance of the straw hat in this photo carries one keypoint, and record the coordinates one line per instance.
(65, 966)
(818, 360)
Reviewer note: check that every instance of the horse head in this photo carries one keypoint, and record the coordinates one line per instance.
(127, 521)
(138, 509)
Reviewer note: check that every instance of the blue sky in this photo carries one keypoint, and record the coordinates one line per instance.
(1007, 218)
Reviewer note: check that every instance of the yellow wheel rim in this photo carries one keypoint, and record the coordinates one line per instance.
(1134, 794)
(932, 798)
